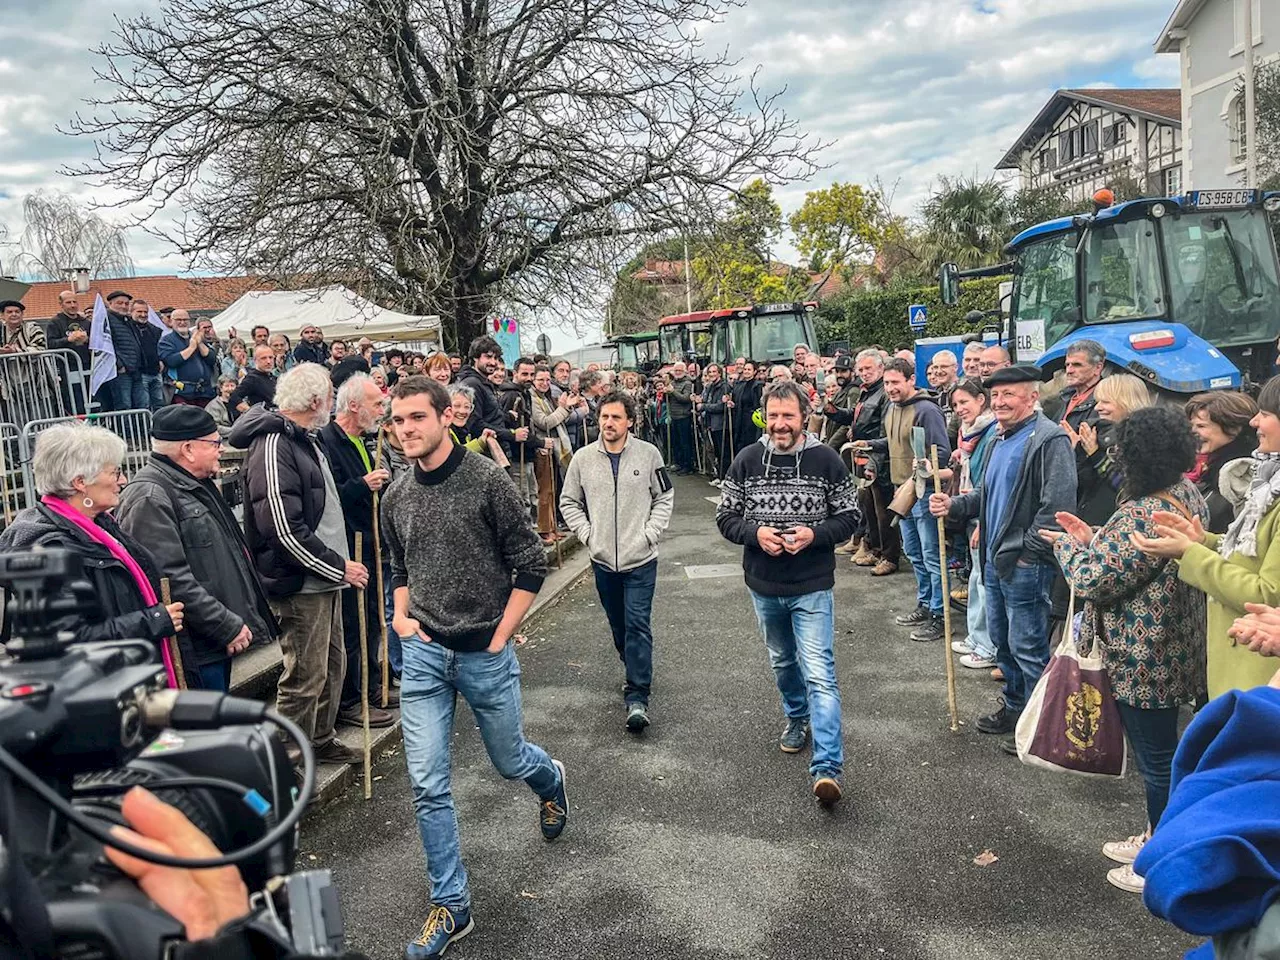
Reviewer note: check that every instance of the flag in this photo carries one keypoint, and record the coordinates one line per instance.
(104, 351)
(153, 318)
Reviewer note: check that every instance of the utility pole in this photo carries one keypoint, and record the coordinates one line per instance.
(688, 284)
(1250, 124)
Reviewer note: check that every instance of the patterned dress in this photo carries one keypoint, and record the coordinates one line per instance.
(1151, 624)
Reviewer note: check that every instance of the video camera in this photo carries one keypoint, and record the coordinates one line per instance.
(80, 725)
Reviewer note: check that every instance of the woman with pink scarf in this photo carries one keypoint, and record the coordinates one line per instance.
(78, 477)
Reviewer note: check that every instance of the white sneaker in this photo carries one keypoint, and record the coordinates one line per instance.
(1126, 879)
(714, 483)
(975, 662)
(1124, 851)
(961, 646)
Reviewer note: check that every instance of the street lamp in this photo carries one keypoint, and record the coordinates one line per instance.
(79, 279)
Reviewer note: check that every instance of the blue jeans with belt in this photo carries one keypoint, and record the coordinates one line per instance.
(1018, 620)
(433, 677)
(627, 599)
(799, 635)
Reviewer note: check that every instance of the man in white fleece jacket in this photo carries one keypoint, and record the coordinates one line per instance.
(617, 500)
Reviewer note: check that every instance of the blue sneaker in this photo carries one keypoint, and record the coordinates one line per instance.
(442, 928)
(554, 810)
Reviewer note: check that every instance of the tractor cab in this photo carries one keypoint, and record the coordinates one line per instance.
(764, 332)
(635, 351)
(1184, 292)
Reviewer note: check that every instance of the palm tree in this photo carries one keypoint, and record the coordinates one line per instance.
(967, 221)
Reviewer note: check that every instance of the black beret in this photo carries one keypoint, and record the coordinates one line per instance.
(843, 362)
(1018, 374)
(6, 304)
(118, 293)
(181, 422)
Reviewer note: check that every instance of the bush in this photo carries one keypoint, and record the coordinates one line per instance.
(881, 317)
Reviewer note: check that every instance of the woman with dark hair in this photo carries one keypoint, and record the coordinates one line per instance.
(1149, 623)
(1220, 421)
(1240, 566)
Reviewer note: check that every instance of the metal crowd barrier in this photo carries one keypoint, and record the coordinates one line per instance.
(48, 385)
(13, 491)
(131, 426)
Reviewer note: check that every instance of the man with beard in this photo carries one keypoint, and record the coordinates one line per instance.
(617, 500)
(312, 349)
(680, 402)
(789, 501)
(515, 397)
(484, 357)
(711, 407)
(297, 537)
(743, 402)
(457, 512)
(839, 411)
(881, 546)
(359, 408)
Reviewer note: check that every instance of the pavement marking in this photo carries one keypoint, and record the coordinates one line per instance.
(715, 500)
(706, 571)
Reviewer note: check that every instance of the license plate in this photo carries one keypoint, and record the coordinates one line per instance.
(1220, 199)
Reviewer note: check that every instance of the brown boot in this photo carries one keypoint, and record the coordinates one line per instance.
(864, 557)
(853, 545)
(883, 568)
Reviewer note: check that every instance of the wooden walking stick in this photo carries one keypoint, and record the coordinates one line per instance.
(364, 678)
(171, 643)
(946, 602)
(377, 560)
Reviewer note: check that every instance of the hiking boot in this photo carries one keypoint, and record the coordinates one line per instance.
(850, 546)
(883, 568)
(554, 810)
(637, 717)
(1002, 721)
(975, 661)
(794, 737)
(935, 629)
(1124, 851)
(335, 751)
(826, 788)
(917, 617)
(443, 927)
(865, 557)
(378, 718)
(1126, 879)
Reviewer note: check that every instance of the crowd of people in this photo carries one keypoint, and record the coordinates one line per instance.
(1086, 509)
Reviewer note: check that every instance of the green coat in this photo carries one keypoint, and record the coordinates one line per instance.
(1231, 582)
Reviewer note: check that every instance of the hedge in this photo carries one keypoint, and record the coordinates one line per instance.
(881, 317)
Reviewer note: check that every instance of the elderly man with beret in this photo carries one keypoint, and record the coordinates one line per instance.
(173, 506)
(1030, 478)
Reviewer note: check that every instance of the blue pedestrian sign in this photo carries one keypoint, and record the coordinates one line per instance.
(916, 316)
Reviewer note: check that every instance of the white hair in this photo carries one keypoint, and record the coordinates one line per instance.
(974, 346)
(944, 353)
(352, 390)
(298, 390)
(166, 448)
(66, 451)
(462, 390)
(870, 354)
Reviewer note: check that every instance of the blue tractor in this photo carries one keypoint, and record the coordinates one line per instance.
(1184, 292)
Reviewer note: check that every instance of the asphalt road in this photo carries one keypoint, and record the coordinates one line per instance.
(700, 839)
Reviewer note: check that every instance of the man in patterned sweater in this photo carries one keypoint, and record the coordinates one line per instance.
(789, 500)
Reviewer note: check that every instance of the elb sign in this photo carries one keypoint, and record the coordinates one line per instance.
(917, 315)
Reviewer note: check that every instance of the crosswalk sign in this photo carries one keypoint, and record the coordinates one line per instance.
(916, 316)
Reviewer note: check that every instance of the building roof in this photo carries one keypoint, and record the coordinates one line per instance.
(1163, 104)
(1179, 20)
(204, 294)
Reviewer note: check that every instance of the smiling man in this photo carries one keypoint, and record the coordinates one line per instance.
(789, 501)
(466, 565)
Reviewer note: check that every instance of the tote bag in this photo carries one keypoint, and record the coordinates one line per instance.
(1071, 723)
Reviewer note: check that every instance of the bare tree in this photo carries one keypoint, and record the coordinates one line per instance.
(60, 233)
(442, 154)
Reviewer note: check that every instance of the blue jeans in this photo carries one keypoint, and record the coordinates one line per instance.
(798, 633)
(129, 391)
(154, 392)
(389, 608)
(627, 599)
(920, 541)
(682, 443)
(979, 635)
(1018, 619)
(1153, 735)
(217, 676)
(433, 677)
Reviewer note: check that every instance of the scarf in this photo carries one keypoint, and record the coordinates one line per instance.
(100, 536)
(1198, 471)
(967, 443)
(1264, 489)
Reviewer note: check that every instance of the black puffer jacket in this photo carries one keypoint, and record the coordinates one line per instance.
(284, 502)
(517, 406)
(311, 352)
(135, 344)
(198, 546)
(121, 614)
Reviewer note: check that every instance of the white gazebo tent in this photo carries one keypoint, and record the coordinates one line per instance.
(339, 313)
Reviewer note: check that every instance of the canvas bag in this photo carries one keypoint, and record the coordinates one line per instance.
(1071, 722)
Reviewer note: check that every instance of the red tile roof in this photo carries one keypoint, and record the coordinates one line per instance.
(190, 293)
(1159, 102)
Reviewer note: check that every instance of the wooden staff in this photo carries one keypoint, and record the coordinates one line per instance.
(946, 602)
(377, 562)
(729, 412)
(364, 678)
(171, 643)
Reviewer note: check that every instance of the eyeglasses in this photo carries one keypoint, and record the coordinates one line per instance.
(216, 443)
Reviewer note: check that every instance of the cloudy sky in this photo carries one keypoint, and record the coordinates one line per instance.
(905, 90)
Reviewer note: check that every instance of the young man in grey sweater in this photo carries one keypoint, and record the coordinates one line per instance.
(617, 500)
(466, 565)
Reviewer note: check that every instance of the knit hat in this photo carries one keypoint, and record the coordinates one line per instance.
(181, 422)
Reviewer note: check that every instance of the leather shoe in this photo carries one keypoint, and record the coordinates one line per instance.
(335, 751)
(378, 718)
(1002, 721)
